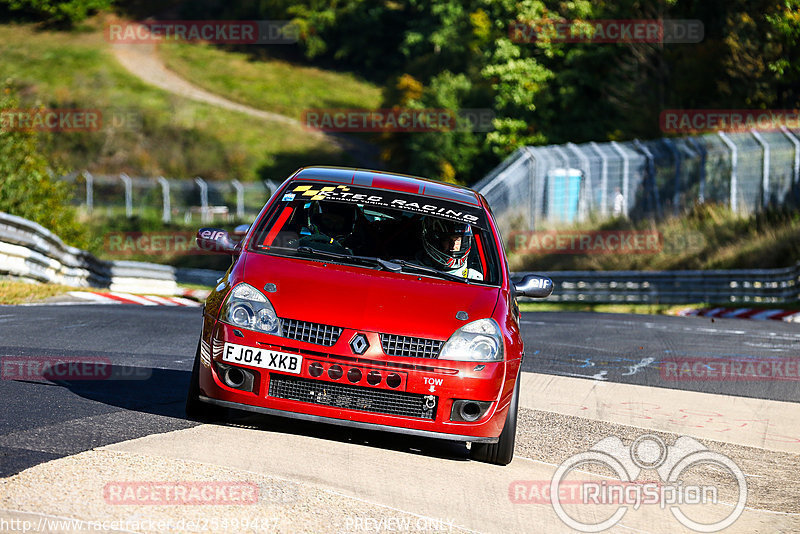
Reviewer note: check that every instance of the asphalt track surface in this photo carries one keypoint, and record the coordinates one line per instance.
(152, 348)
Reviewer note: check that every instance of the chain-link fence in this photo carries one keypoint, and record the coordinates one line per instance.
(566, 184)
(171, 200)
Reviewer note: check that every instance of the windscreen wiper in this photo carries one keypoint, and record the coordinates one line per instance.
(411, 266)
(369, 260)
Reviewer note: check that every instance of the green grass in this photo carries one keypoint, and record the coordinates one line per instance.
(19, 292)
(169, 135)
(706, 237)
(268, 84)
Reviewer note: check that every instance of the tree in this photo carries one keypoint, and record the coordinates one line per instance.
(27, 185)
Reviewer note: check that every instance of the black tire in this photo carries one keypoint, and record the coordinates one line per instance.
(502, 452)
(196, 409)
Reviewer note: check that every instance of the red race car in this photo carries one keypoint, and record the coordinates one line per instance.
(372, 300)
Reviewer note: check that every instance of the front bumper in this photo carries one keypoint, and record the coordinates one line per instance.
(346, 422)
(421, 379)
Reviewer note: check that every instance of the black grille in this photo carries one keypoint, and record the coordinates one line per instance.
(319, 334)
(410, 347)
(352, 397)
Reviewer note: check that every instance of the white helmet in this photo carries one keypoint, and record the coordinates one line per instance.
(447, 242)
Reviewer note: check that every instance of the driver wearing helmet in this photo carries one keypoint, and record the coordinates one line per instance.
(447, 247)
(330, 227)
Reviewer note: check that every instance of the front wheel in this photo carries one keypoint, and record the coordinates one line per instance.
(502, 452)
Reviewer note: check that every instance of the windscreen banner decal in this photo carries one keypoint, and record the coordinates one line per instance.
(388, 199)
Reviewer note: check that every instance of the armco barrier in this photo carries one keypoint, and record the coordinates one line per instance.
(757, 286)
(30, 251)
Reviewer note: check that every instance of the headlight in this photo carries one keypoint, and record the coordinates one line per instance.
(246, 307)
(477, 341)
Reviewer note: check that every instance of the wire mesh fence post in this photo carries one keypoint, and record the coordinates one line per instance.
(676, 195)
(128, 194)
(734, 203)
(796, 162)
(87, 176)
(626, 178)
(603, 179)
(239, 198)
(203, 198)
(764, 168)
(701, 194)
(166, 209)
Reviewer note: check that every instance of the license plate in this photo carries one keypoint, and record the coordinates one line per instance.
(266, 359)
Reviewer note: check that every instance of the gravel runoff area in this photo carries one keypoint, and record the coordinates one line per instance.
(77, 487)
(773, 481)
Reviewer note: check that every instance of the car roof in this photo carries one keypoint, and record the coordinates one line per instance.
(388, 181)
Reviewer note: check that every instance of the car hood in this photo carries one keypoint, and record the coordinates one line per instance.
(368, 299)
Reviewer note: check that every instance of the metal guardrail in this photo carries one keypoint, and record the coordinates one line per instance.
(30, 251)
(758, 286)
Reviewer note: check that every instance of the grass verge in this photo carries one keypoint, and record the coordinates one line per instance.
(267, 83)
(19, 292)
(706, 237)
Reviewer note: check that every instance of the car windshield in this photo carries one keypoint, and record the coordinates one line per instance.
(383, 230)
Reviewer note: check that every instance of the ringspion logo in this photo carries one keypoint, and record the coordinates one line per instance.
(675, 490)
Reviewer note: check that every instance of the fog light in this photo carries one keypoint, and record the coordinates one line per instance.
(354, 375)
(315, 369)
(335, 372)
(393, 380)
(374, 378)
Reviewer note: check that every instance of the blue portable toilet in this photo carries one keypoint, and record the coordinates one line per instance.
(563, 194)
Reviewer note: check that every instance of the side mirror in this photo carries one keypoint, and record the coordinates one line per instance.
(216, 240)
(534, 286)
